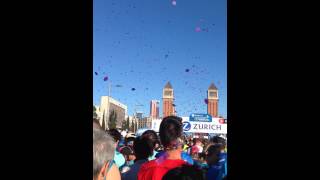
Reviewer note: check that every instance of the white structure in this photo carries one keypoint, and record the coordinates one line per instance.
(108, 104)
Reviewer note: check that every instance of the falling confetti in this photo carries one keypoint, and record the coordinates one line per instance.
(198, 29)
(174, 3)
(118, 85)
(206, 101)
(166, 56)
(173, 105)
(105, 78)
(187, 70)
(133, 89)
(96, 73)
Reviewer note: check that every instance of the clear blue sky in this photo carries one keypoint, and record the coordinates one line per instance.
(142, 44)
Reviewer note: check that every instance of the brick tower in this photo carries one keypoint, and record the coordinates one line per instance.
(167, 98)
(213, 100)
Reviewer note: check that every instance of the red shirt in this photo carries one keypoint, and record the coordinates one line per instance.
(156, 169)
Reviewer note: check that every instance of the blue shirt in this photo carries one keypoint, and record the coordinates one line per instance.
(218, 170)
(119, 159)
(223, 163)
(215, 172)
(132, 174)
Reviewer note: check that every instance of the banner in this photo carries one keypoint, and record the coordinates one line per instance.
(216, 126)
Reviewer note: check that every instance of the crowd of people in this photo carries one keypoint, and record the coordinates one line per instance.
(169, 155)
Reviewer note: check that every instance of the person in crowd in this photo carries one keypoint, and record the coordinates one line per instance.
(158, 147)
(190, 144)
(185, 172)
(129, 156)
(143, 149)
(103, 152)
(197, 147)
(153, 138)
(223, 153)
(118, 157)
(170, 137)
(215, 171)
(129, 141)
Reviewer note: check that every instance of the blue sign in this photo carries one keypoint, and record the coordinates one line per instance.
(200, 117)
(186, 126)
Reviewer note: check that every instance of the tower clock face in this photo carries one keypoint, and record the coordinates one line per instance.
(213, 94)
(167, 93)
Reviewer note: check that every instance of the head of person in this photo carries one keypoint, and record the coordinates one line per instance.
(116, 135)
(142, 148)
(103, 152)
(185, 172)
(152, 136)
(128, 153)
(196, 141)
(212, 154)
(129, 141)
(171, 133)
(219, 140)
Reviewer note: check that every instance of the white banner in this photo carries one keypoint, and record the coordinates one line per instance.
(215, 126)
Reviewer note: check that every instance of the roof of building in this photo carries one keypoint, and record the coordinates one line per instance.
(168, 85)
(212, 86)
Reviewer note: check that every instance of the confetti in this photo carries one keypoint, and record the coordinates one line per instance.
(198, 29)
(173, 105)
(206, 101)
(96, 73)
(166, 56)
(105, 78)
(174, 3)
(118, 85)
(133, 89)
(187, 70)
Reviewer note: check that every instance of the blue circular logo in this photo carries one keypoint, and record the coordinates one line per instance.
(186, 126)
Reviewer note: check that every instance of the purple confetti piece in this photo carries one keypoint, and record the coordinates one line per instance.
(174, 3)
(198, 29)
(105, 78)
(96, 73)
(187, 70)
(133, 89)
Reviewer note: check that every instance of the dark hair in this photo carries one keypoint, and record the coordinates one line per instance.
(219, 140)
(126, 151)
(142, 148)
(214, 149)
(115, 134)
(170, 130)
(185, 172)
(152, 136)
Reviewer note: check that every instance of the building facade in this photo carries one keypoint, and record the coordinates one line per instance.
(108, 104)
(154, 109)
(145, 122)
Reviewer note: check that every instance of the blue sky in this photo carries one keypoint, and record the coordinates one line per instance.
(142, 44)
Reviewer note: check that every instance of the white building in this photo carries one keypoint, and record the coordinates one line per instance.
(108, 104)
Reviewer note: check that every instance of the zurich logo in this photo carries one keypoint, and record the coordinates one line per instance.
(186, 126)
